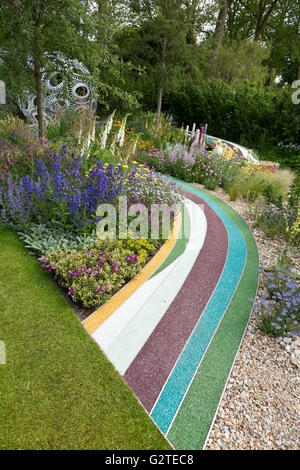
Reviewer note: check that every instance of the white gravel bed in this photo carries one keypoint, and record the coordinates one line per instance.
(260, 408)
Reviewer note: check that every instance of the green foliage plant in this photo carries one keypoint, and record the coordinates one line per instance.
(91, 276)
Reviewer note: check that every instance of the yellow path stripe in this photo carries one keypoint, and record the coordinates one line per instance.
(100, 315)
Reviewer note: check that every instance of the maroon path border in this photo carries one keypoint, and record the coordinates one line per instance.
(150, 369)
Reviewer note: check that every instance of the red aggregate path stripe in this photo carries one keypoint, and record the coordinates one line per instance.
(151, 367)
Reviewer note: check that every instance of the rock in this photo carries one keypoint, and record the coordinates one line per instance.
(287, 340)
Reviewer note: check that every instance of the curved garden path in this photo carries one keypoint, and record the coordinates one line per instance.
(174, 338)
(239, 150)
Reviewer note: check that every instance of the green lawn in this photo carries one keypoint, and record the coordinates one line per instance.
(57, 390)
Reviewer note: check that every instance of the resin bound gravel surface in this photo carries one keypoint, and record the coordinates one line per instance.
(260, 408)
(176, 348)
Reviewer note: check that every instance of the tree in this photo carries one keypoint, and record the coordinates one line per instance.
(263, 14)
(161, 41)
(250, 18)
(111, 73)
(273, 24)
(283, 35)
(219, 31)
(35, 34)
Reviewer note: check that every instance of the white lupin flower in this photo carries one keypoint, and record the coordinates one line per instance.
(135, 144)
(113, 145)
(103, 138)
(106, 131)
(121, 133)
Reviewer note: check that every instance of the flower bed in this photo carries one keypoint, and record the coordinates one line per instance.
(54, 211)
(92, 275)
(51, 197)
(195, 165)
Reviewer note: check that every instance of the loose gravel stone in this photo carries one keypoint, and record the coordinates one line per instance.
(260, 408)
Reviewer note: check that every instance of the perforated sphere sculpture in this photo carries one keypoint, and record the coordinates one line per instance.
(76, 91)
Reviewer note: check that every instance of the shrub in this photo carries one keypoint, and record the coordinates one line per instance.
(251, 181)
(20, 147)
(69, 194)
(246, 186)
(156, 134)
(91, 276)
(229, 170)
(281, 182)
(192, 165)
(152, 188)
(73, 128)
(44, 238)
(238, 111)
(270, 219)
(275, 217)
(286, 153)
(17, 209)
(207, 170)
(278, 311)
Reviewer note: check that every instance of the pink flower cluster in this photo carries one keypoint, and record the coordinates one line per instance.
(100, 291)
(48, 267)
(132, 259)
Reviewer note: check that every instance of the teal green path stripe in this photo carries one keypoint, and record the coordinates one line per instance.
(191, 426)
(180, 244)
(194, 350)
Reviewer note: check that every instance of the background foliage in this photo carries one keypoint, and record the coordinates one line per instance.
(228, 63)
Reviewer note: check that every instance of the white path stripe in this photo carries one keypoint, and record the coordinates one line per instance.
(130, 341)
(116, 323)
(112, 327)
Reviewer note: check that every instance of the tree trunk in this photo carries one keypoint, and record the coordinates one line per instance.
(160, 91)
(271, 63)
(38, 77)
(39, 98)
(219, 32)
(104, 25)
(262, 19)
(159, 101)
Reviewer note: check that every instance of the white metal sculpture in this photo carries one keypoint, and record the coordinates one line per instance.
(74, 92)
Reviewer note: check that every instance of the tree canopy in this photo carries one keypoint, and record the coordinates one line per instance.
(152, 53)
